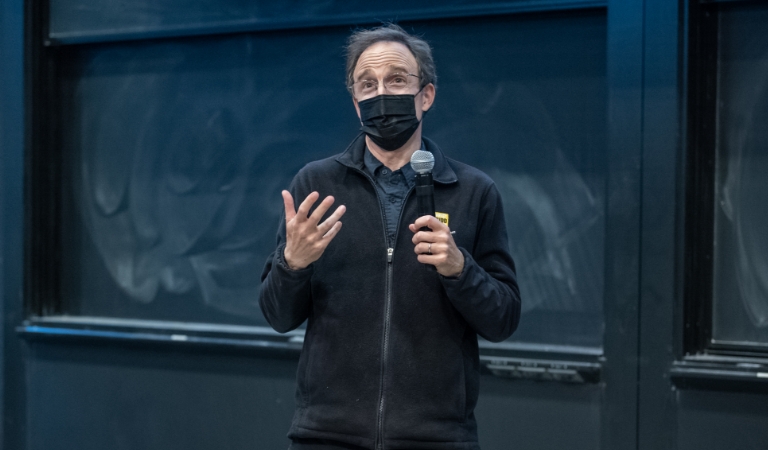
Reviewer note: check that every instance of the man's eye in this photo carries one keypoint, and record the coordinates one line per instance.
(368, 84)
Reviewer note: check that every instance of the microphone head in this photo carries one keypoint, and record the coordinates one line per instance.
(422, 161)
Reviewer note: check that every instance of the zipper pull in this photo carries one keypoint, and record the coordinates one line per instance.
(390, 252)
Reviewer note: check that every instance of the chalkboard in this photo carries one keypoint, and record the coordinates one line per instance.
(740, 291)
(177, 151)
(524, 100)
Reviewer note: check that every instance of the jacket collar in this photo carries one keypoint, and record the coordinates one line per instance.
(442, 173)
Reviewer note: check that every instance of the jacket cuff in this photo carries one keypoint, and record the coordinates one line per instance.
(456, 282)
(286, 271)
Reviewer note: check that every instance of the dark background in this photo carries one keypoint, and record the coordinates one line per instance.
(144, 145)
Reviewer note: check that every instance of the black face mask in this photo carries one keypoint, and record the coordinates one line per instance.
(389, 120)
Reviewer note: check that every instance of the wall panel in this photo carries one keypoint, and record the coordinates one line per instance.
(98, 397)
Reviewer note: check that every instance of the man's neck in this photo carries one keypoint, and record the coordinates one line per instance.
(396, 159)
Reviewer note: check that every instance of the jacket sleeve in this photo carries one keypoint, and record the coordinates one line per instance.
(486, 293)
(285, 296)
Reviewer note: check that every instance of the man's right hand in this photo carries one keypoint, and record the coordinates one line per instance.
(305, 237)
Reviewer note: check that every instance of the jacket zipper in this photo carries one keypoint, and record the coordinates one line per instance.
(387, 306)
(387, 320)
(384, 352)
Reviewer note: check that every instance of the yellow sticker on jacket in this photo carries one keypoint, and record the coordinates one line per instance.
(442, 217)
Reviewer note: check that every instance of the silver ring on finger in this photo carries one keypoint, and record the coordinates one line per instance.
(429, 249)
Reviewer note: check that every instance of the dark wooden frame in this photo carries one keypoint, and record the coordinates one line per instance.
(700, 185)
(700, 180)
(46, 320)
(704, 363)
(43, 170)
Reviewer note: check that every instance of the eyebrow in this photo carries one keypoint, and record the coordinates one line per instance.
(392, 68)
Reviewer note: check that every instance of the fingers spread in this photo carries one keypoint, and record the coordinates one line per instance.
(305, 239)
(306, 205)
(332, 219)
(333, 231)
(290, 209)
(321, 209)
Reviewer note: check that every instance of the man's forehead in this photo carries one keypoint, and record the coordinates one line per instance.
(386, 55)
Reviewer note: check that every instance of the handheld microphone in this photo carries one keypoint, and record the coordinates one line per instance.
(422, 163)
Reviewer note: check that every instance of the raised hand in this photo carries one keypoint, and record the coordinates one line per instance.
(306, 238)
(437, 247)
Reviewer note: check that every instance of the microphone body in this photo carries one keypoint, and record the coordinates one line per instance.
(425, 196)
(422, 163)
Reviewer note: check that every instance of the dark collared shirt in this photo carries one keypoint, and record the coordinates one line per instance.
(392, 188)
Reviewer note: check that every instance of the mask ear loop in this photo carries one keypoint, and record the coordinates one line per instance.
(423, 113)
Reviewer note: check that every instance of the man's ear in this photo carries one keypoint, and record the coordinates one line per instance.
(428, 97)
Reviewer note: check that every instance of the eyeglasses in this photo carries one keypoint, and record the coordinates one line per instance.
(396, 83)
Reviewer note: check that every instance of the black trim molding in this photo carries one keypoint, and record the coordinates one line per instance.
(721, 373)
(539, 362)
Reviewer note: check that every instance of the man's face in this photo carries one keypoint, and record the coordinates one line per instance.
(383, 59)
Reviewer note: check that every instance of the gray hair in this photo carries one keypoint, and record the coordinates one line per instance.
(360, 40)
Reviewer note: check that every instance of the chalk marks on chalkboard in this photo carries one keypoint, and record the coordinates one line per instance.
(555, 226)
(182, 150)
(169, 188)
(743, 193)
(554, 210)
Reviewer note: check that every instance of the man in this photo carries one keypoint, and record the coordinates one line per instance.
(390, 356)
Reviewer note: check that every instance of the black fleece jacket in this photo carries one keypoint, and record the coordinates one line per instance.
(390, 356)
